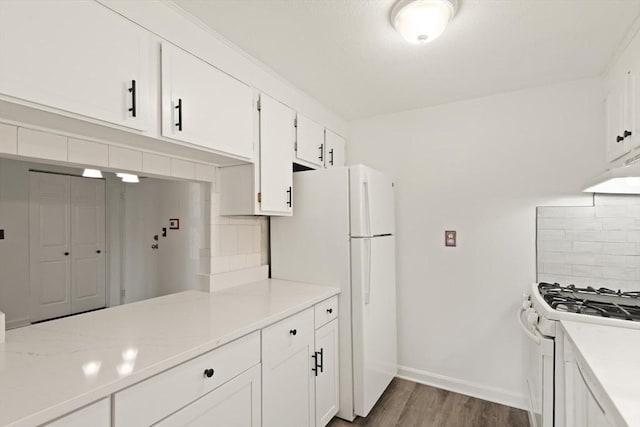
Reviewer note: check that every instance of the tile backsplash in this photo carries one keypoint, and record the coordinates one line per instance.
(236, 242)
(595, 245)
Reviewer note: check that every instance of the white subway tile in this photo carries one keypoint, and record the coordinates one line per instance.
(588, 247)
(556, 268)
(580, 211)
(633, 236)
(616, 200)
(551, 234)
(620, 273)
(582, 258)
(613, 211)
(245, 239)
(618, 223)
(553, 257)
(618, 260)
(555, 245)
(228, 239)
(551, 212)
(620, 248)
(598, 236)
(589, 271)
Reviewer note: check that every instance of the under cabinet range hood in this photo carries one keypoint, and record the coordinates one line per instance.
(620, 180)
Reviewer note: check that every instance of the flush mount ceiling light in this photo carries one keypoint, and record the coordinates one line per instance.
(92, 173)
(128, 177)
(422, 21)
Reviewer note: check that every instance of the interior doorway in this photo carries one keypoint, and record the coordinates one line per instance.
(67, 272)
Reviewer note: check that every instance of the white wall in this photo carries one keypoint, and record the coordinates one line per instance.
(479, 167)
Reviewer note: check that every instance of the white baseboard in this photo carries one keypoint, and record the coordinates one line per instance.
(18, 323)
(468, 388)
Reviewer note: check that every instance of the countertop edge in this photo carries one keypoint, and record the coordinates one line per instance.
(54, 412)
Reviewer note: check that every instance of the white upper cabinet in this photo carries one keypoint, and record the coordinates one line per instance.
(309, 147)
(618, 117)
(335, 150)
(202, 105)
(276, 140)
(76, 56)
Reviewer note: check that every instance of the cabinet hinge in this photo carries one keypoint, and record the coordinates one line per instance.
(259, 105)
(259, 197)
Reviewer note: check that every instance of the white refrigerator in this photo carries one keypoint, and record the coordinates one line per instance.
(342, 234)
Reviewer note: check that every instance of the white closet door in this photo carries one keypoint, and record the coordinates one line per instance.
(49, 246)
(87, 244)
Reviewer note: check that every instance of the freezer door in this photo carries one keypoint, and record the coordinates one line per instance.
(372, 202)
(375, 353)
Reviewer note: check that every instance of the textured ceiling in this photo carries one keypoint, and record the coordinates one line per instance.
(346, 54)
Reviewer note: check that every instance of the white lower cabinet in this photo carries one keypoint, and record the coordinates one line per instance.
(288, 385)
(234, 404)
(97, 414)
(327, 380)
(582, 404)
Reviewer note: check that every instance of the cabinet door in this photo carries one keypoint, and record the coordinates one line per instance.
(288, 382)
(309, 143)
(276, 140)
(76, 56)
(615, 108)
(204, 106)
(633, 140)
(335, 151)
(235, 404)
(327, 380)
(97, 414)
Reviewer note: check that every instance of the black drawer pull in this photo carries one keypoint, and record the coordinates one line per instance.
(98, 251)
(329, 310)
(208, 372)
(132, 90)
(331, 157)
(293, 332)
(619, 138)
(321, 157)
(626, 133)
(289, 195)
(179, 108)
(66, 254)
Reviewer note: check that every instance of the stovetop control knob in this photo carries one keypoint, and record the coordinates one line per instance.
(533, 317)
(526, 304)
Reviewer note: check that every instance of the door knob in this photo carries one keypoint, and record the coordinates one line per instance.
(66, 254)
(329, 310)
(619, 138)
(208, 372)
(293, 332)
(98, 251)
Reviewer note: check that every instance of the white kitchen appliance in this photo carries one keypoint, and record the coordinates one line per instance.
(538, 315)
(342, 234)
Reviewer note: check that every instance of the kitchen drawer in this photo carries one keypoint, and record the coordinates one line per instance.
(97, 414)
(149, 401)
(326, 311)
(287, 336)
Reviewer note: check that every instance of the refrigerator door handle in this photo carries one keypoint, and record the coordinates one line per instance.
(367, 272)
(367, 207)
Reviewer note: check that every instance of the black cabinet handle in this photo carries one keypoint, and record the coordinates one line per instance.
(289, 201)
(315, 362)
(329, 310)
(619, 138)
(331, 158)
(132, 91)
(626, 133)
(208, 372)
(318, 361)
(321, 152)
(66, 254)
(321, 353)
(179, 108)
(98, 251)
(293, 332)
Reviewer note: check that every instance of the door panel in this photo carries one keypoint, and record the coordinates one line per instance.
(310, 140)
(276, 140)
(327, 382)
(335, 150)
(49, 267)
(375, 351)
(87, 244)
(372, 203)
(81, 58)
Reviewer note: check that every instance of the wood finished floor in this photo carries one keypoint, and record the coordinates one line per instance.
(408, 404)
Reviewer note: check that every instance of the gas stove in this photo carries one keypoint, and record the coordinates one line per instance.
(552, 301)
(602, 302)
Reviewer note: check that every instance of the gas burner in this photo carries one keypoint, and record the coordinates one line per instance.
(601, 302)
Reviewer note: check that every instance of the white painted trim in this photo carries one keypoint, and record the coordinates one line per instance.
(480, 391)
(18, 323)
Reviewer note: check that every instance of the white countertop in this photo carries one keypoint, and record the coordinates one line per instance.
(612, 355)
(42, 367)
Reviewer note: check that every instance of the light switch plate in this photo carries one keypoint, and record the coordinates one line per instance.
(450, 238)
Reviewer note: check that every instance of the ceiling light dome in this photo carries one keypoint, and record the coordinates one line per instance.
(422, 21)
